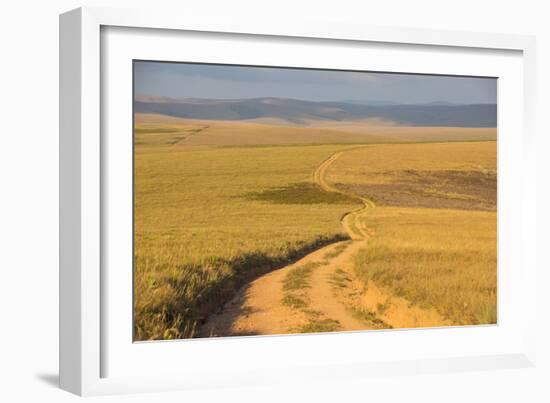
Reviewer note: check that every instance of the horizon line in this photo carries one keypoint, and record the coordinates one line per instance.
(349, 101)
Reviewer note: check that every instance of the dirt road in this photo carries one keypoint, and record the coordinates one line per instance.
(320, 292)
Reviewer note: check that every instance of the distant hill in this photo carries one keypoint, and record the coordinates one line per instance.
(369, 102)
(298, 111)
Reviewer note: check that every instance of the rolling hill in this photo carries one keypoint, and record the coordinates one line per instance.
(299, 112)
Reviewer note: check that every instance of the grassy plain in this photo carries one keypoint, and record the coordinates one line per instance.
(182, 133)
(458, 175)
(434, 225)
(209, 219)
(435, 258)
(400, 133)
(217, 204)
(268, 131)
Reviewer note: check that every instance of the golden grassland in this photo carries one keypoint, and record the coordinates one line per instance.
(273, 131)
(379, 163)
(394, 132)
(426, 252)
(440, 258)
(223, 133)
(208, 220)
(441, 175)
(218, 204)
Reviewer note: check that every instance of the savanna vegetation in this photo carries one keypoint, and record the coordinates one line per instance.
(209, 219)
(434, 225)
(439, 258)
(215, 208)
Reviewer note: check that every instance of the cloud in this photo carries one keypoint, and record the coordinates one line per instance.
(248, 74)
(225, 81)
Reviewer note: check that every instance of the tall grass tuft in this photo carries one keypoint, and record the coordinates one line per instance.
(172, 299)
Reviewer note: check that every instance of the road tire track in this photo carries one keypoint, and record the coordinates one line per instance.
(257, 308)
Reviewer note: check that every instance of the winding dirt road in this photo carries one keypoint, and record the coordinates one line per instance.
(320, 292)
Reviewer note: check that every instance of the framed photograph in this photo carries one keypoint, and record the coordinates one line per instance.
(252, 202)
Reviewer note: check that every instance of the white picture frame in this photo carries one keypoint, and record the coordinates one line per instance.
(86, 333)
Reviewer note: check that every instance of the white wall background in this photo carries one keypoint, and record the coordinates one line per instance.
(29, 201)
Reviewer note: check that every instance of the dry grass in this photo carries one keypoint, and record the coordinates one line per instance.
(298, 277)
(400, 133)
(208, 219)
(383, 163)
(222, 133)
(445, 259)
(336, 251)
(199, 235)
(320, 326)
(295, 287)
(437, 175)
(373, 130)
(434, 257)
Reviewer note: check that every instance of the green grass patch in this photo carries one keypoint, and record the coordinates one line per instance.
(320, 325)
(336, 251)
(340, 278)
(369, 317)
(298, 277)
(312, 313)
(300, 193)
(293, 301)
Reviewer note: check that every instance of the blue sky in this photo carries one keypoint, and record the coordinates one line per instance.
(184, 80)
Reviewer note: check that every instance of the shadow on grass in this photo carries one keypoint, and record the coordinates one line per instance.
(247, 268)
(299, 193)
(195, 295)
(226, 317)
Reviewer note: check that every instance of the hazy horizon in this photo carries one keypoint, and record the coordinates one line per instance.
(147, 97)
(229, 82)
